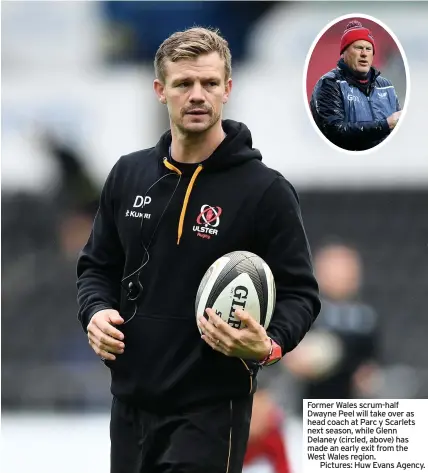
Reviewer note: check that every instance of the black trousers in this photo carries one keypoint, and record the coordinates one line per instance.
(206, 439)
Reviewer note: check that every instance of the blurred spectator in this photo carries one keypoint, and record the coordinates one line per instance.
(77, 190)
(338, 357)
(42, 238)
(267, 441)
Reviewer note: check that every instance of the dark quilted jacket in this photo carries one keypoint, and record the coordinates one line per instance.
(349, 116)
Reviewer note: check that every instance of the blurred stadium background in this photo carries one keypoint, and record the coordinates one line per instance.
(77, 94)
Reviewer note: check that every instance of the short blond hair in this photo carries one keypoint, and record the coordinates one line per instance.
(192, 43)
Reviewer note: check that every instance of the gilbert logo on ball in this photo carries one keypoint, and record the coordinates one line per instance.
(238, 280)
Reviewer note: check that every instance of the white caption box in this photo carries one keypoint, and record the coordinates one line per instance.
(365, 435)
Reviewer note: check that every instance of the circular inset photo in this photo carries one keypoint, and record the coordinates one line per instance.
(355, 83)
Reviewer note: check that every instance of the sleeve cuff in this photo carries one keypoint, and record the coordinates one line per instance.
(385, 126)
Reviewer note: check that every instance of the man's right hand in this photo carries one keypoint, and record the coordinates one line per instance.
(103, 337)
(393, 119)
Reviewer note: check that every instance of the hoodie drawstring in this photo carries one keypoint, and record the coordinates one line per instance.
(187, 196)
(171, 167)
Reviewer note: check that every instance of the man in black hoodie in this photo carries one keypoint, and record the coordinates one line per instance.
(182, 403)
(353, 105)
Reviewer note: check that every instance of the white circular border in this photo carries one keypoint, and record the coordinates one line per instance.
(305, 74)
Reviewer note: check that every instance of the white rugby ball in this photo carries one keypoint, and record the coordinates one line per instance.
(238, 280)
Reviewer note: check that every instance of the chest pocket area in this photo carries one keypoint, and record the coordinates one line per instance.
(383, 102)
(144, 212)
(356, 104)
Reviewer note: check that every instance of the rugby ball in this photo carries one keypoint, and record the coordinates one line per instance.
(238, 280)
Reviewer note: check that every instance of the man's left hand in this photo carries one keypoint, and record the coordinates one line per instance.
(250, 342)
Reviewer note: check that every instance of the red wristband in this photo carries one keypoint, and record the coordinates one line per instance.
(275, 354)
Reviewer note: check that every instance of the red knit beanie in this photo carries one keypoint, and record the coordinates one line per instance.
(354, 32)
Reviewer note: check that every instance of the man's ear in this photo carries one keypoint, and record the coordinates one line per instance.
(159, 89)
(228, 90)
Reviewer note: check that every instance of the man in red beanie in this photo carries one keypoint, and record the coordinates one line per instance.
(353, 105)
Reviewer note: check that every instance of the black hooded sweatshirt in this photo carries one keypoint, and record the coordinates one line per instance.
(193, 214)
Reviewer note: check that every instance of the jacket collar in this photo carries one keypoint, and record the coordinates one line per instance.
(364, 85)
